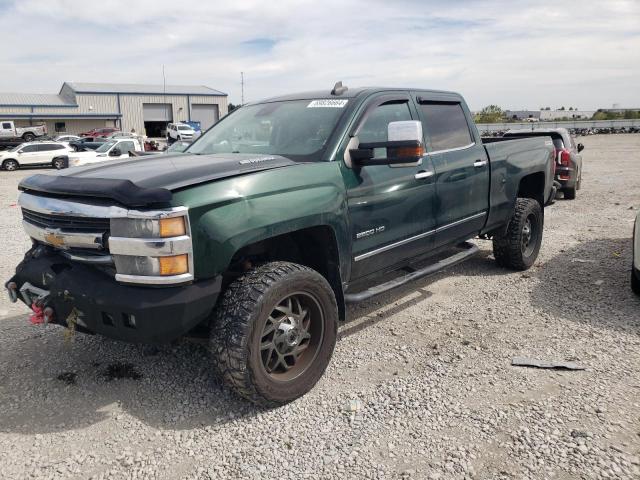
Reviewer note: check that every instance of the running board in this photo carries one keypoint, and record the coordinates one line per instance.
(469, 251)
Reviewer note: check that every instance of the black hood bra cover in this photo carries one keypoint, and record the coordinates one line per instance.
(144, 181)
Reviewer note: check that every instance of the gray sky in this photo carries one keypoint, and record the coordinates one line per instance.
(517, 54)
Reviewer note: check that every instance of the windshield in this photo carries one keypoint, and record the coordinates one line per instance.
(297, 129)
(15, 149)
(105, 147)
(178, 147)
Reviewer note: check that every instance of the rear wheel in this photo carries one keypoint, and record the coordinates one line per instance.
(10, 165)
(635, 281)
(569, 193)
(518, 248)
(27, 137)
(274, 332)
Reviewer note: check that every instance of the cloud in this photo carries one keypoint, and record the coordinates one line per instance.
(516, 53)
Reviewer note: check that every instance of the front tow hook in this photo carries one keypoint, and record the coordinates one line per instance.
(12, 290)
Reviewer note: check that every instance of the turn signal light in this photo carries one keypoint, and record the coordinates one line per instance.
(400, 152)
(172, 227)
(175, 265)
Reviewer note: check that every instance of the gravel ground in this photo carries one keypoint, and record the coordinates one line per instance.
(420, 385)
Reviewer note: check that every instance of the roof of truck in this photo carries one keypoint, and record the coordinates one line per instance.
(350, 93)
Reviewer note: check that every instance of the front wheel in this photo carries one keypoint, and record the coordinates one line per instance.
(59, 163)
(274, 332)
(10, 165)
(518, 248)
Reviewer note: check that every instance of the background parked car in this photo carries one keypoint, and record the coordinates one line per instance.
(99, 132)
(9, 131)
(112, 150)
(87, 143)
(180, 131)
(568, 158)
(67, 138)
(33, 154)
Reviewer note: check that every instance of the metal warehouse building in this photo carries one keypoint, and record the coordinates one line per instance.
(79, 107)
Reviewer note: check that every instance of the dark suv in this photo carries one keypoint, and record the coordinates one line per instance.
(568, 158)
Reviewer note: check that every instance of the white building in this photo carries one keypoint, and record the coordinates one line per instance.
(570, 114)
(79, 107)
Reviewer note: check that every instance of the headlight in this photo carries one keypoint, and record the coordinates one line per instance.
(148, 228)
(152, 266)
(152, 247)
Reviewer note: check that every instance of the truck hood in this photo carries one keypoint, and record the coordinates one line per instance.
(141, 180)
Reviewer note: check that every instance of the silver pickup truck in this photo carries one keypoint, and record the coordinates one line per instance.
(9, 131)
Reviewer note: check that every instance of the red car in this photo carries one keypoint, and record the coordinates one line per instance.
(99, 132)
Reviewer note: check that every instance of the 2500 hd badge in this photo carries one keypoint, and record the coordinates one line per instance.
(261, 257)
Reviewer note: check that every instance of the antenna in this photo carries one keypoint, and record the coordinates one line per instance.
(242, 88)
(339, 89)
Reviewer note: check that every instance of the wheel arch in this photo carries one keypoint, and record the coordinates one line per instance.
(532, 186)
(315, 247)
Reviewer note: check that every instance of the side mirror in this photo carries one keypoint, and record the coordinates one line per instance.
(404, 146)
(580, 147)
(115, 152)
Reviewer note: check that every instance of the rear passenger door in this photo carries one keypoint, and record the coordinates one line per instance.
(28, 155)
(46, 152)
(461, 169)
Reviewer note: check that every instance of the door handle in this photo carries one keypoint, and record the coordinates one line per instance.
(479, 163)
(423, 174)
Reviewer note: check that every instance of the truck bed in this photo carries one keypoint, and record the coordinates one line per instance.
(523, 155)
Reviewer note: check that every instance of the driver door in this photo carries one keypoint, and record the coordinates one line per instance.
(390, 207)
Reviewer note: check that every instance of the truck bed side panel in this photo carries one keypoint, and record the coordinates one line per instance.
(511, 161)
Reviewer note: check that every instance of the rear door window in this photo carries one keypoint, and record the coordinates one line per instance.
(6, 126)
(126, 147)
(446, 125)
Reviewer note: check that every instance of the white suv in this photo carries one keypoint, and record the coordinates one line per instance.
(35, 153)
(180, 131)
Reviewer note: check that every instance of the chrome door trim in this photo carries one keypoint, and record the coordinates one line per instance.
(458, 222)
(447, 150)
(393, 245)
(417, 237)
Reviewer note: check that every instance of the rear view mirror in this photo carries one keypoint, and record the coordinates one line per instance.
(404, 146)
(580, 147)
(115, 152)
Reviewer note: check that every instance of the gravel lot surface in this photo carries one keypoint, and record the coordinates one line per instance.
(420, 386)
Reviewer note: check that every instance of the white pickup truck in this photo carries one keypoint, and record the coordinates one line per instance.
(112, 150)
(9, 131)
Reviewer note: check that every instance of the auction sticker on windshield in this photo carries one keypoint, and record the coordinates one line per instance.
(327, 103)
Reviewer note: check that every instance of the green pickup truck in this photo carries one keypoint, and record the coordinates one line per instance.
(272, 221)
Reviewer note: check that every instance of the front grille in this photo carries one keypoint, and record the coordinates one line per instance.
(66, 223)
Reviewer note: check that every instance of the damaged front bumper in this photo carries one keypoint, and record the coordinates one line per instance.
(99, 304)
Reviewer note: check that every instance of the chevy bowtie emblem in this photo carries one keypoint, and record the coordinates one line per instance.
(53, 239)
